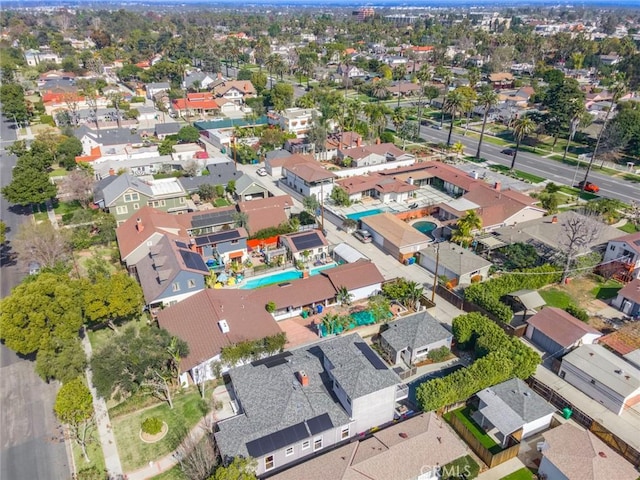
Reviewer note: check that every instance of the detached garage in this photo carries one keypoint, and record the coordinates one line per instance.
(394, 236)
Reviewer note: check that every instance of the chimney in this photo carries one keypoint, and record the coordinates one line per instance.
(192, 244)
(554, 219)
(139, 225)
(378, 141)
(358, 141)
(497, 186)
(303, 378)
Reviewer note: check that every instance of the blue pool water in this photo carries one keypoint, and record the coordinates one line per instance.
(284, 276)
(425, 227)
(366, 213)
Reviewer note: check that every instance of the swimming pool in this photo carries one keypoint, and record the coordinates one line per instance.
(425, 227)
(366, 213)
(284, 276)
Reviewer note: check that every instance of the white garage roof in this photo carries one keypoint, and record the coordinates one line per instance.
(348, 253)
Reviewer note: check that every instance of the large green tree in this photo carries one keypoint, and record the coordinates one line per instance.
(29, 185)
(39, 311)
(239, 469)
(111, 299)
(74, 407)
(282, 96)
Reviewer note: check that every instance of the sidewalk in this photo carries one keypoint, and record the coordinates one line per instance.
(107, 438)
(51, 214)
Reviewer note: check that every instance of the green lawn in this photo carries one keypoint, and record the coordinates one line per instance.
(575, 191)
(522, 474)
(62, 208)
(629, 228)
(464, 465)
(59, 172)
(188, 409)
(607, 290)
(464, 415)
(174, 474)
(94, 450)
(221, 202)
(556, 297)
(518, 173)
(631, 177)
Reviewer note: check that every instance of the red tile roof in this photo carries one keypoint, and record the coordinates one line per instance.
(195, 320)
(266, 212)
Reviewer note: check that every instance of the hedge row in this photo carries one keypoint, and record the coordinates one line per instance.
(499, 358)
(488, 294)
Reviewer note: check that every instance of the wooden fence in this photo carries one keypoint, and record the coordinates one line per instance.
(554, 398)
(490, 459)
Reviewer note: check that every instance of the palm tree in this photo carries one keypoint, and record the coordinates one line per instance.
(398, 118)
(446, 77)
(377, 115)
(488, 98)
(466, 225)
(455, 102)
(458, 148)
(414, 292)
(573, 127)
(471, 97)
(344, 296)
(521, 128)
(275, 66)
(380, 89)
(423, 76)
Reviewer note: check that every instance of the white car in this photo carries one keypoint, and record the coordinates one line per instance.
(262, 172)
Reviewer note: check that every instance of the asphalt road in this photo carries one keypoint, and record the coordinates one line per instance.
(32, 443)
(543, 167)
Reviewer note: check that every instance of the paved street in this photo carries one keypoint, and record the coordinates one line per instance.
(543, 167)
(32, 446)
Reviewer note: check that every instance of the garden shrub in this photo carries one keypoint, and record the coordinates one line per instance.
(152, 425)
(579, 313)
(439, 354)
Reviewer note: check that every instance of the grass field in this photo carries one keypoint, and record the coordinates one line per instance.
(607, 290)
(188, 409)
(464, 415)
(629, 228)
(575, 191)
(522, 474)
(174, 474)
(556, 298)
(221, 202)
(94, 451)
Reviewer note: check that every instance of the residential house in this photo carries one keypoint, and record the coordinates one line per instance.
(501, 80)
(416, 448)
(171, 272)
(547, 234)
(628, 299)
(111, 141)
(394, 236)
(274, 161)
(404, 89)
(49, 80)
(603, 376)
(301, 145)
(376, 186)
(345, 253)
(512, 408)
(140, 232)
(249, 189)
(195, 103)
(236, 91)
(339, 141)
(350, 71)
(123, 195)
(411, 338)
(198, 80)
(219, 171)
(308, 177)
(556, 332)
(189, 151)
(210, 321)
(571, 453)
(266, 212)
(293, 120)
(622, 257)
(306, 400)
(310, 245)
(611, 59)
(221, 249)
(459, 265)
(154, 88)
(377, 154)
(163, 130)
(36, 57)
(209, 221)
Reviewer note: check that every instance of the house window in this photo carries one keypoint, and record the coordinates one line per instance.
(131, 197)
(344, 433)
(176, 287)
(191, 283)
(612, 248)
(306, 444)
(268, 462)
(317, 443)
(122, 210)
(289, 451)
(234, 242)
(182, 200)
(136, 206)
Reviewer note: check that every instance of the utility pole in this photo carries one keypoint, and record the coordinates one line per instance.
(322, 206)
(435, 275)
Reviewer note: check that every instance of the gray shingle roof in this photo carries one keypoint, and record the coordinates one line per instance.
(414, 331)
(244, 182)
(272, 398)
(219, 174)
(112, 136)
(455, 258)
(113, 189)
(511, 404)
(169, 128)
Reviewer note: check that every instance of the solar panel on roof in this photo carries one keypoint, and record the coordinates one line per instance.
(277, 440)
(214, 238)
(181, 245)
(193, 261)
(321, 423)
(273, 360)
(307, 241)
(213, 218)
(370, 355)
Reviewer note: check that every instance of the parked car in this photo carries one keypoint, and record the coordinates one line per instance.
(363, 235)
(262, 172)
(34, 268)
(437, 126)
(589, 187)
(508, 151)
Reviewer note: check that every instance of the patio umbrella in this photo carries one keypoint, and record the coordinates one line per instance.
(223, 277)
